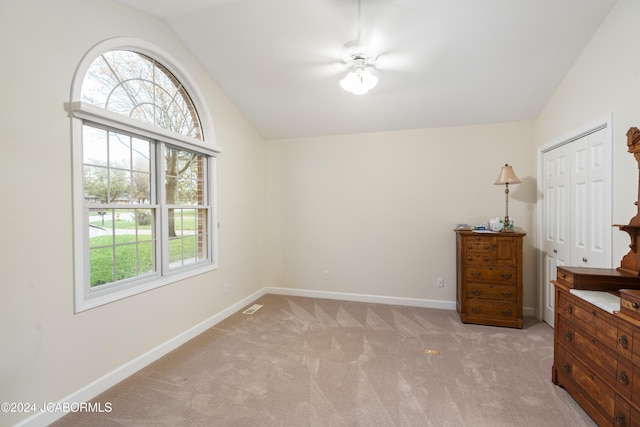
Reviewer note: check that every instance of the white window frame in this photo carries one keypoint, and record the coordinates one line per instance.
(81, 113)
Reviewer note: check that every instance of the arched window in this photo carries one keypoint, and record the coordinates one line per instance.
(137, 86)
(143, 175)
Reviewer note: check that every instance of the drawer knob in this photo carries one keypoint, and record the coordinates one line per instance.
(507, 294)
(563, 275)
(568, 336)
(620, 420)
(475, 273)
(475, 309)
(624, 379)
(506, 275)
(624, 342)
(506, 312)
(476, 292)
(584, 260)
(635, 305)
(568, 309)
(486, 258)
(567, 368)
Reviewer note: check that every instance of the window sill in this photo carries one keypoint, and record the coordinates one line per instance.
(97, 298)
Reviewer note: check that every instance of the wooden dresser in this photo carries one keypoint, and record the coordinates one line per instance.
(597, 346)
(489, 278)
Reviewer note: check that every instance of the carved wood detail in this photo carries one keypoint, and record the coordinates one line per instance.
(631, 261)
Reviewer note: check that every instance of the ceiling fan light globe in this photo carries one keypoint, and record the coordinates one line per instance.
(359, 82)
(368, 80)
(349, 81)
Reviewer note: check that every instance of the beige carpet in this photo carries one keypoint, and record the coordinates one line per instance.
(316, 362)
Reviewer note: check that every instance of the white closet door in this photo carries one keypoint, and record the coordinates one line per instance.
(556, 222)
(576, 208)
(600, 226)
(579, 202)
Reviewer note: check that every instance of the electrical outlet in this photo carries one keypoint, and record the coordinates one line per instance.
(325, 275)
(440, 282)
(225, 288)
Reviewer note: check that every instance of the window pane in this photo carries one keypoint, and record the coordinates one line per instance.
(96, 184)
(126, 265)
(119, 151)
(202, 221)
(141, 188)
(100, 227)
(119, 186)
(141, 151)
(122, 244)
(94, 146)
(189, 243)
(101, 266)
(146, 258)
(184, 177)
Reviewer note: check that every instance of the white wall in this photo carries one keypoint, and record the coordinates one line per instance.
(47, 351)
(378, 210)
(604, 80)
(375, 210)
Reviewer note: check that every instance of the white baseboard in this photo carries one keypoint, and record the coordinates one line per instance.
(374, 299)
(112, 378)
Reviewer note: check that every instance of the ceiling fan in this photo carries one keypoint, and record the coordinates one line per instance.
(361, 59)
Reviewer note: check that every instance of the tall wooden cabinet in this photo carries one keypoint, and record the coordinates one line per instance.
(489, 278)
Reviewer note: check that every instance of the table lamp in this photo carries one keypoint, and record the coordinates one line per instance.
(507, 176)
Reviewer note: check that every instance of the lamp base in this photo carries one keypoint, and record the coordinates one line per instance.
(507, 223)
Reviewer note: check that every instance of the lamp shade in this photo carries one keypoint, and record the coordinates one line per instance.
(507, 176)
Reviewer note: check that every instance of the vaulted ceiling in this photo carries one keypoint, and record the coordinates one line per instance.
(441, 62)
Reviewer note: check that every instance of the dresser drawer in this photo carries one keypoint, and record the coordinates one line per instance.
(479, 258)
(563, 363)
(505, 275)
(596, 321)
(491, 308)
(630, 302)
(624, 378)
(601, 358)
(490, 291)
(565, 333)
(624, 345)
(595, 391)
(565, 305)
(478, 244)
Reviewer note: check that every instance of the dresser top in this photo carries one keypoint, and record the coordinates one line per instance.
(606, 301)
(600, 272)
(490, 233)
